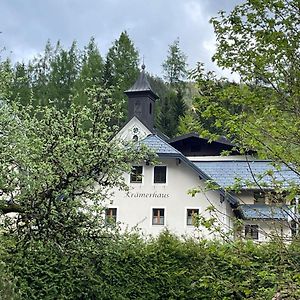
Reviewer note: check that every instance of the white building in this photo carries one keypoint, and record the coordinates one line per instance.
(158, 195)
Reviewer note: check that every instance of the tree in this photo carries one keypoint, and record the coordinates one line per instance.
(121, 68)
(57, 167)
(64, 69)
(175, 71)
(175, 66)
(21, 85)
(91, 73)
(40, 72)
(260, 41)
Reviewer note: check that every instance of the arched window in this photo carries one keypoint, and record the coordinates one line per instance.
(135, 138)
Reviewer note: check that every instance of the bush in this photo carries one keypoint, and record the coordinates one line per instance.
(130, 267)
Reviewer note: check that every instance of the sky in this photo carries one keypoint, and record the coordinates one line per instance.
(153, 25)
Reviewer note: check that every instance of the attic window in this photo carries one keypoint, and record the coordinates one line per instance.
(135, 138)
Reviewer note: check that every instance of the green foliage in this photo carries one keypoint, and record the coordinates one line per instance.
(121, 69)
(128, 267)
(56, 167)
(260, 41)
(90, 75)
(189, 123)
(175, 66)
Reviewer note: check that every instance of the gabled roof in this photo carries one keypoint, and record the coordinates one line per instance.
(250, 174)
(158, 145)
(264, 212)
(141, 85)
(163, 149)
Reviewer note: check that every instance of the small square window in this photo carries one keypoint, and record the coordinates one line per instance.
(251, 232)
(259, 197)
(136, 175)
(160, 174)
(158, 216)
(111, 215)
(190, 215)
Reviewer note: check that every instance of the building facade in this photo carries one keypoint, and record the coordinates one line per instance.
(189, 190)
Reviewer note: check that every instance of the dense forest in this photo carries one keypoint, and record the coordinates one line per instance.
(60, 76)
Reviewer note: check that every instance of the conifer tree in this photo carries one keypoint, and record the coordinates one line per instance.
(121, 68)
(91, 73)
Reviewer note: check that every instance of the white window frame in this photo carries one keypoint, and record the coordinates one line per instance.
(151, 216)
(186, 215)
(143, 173)
(117, 212)
(250, 237)
(160, 184)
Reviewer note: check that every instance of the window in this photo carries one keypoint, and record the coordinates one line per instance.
(150, 108)
(111, 215)
(160, 174)
(251, 232)
(158, 216)
(191, 214)
(259, 197)
(136, 175)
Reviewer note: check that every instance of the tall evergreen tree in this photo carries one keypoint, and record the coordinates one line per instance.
(175, 65)
(40, 72)
(91, 73)
(64, 72)
(175, 71)
(121, 68)
(21, 85)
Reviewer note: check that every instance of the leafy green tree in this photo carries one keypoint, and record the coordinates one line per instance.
(260, 41)
(57, 167)
(189, 123)
(175, 71)
(166, 121)
(6, 79)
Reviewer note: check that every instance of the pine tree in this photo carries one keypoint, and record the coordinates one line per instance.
(21, 85)
(175, 66)
(121, 68)
(91, 73)
(40, 72)
(64, 72)
(175, 71)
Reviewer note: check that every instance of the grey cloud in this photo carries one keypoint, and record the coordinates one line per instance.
(153, 25)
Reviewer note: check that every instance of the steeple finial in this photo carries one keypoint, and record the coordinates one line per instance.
(143, 65)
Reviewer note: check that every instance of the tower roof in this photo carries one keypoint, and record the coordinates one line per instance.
(141, 85)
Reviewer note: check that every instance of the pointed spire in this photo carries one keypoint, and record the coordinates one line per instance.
(142, 84)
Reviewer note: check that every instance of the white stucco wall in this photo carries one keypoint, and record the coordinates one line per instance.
(269, 229)
(135, 207)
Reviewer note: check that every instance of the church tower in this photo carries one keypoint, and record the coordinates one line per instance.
(141, 100)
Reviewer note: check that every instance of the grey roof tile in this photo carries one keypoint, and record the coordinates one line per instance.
(263, 211)
(159, 145)
(248, 173)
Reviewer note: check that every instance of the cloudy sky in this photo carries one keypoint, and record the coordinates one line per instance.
(26, 25)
